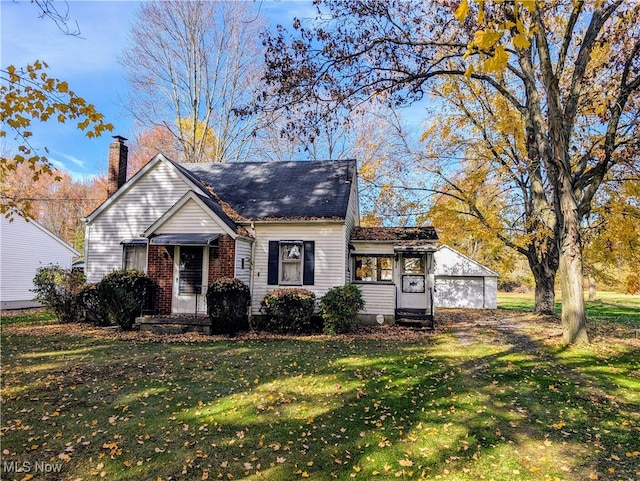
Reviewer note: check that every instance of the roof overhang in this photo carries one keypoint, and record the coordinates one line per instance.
(416, 249)
(136, 241)
(183, 239)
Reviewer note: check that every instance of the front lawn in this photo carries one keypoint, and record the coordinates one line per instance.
(496, 399)
(608, 306)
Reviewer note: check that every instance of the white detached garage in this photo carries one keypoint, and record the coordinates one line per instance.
(462, 282)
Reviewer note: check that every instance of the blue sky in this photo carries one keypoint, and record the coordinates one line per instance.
(89, 64)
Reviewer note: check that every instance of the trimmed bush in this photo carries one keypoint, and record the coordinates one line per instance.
(227, 303)
(94, 307)
(58, 289)
(339, 308)
(289, 310)
(123, 295)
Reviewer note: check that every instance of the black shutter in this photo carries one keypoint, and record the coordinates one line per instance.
(272, 264)
(309, 263)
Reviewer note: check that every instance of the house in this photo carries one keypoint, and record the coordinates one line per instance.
(25, 247)
(462, 282)
(271, 225)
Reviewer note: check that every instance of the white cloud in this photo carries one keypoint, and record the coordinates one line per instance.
(80, 163)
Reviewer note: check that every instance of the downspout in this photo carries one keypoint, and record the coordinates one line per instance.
(86, 244)
(251, 266)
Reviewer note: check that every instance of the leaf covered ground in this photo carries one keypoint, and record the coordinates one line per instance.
(488, 395)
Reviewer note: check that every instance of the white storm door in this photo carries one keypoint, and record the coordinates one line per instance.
(412, 282)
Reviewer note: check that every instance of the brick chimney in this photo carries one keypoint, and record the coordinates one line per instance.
(118, 153)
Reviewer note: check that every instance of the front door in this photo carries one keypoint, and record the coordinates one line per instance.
(189, 275)
(412, 284)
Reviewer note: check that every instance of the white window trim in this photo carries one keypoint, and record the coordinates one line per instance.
(282, 261)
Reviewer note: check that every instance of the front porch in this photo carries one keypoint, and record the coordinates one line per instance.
(175, 324)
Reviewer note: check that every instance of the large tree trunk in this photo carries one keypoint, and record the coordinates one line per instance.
(545, 294)
(574, 316)
(592, 288)
(544, 268)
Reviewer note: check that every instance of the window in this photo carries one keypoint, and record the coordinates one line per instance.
(214, 249)
(413, 265)
(370, 268)
(190, 270)
(134, 254)
(413, 273)
(291, 263)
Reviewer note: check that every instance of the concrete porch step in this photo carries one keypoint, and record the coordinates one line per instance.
(414, 318)
(174, 324)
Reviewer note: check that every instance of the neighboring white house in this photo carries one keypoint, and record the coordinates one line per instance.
(24, 247)
(462, 282)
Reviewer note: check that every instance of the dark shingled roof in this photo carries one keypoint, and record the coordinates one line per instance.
(278, 190)
(400, 235)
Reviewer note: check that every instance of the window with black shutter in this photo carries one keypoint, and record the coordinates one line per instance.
(291, 263)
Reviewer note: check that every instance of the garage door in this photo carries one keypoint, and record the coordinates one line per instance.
(462, 292)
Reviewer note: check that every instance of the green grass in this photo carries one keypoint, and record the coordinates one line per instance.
(36, 316)
(317, 408)
(609, 307)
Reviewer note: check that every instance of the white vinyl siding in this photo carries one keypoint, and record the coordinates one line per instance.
(243, 251)
(25, 247)
(192, 219)
(462, 282)
(351, 221)
(378, 298)
(381, 248)
(329, 255)
(133, 212)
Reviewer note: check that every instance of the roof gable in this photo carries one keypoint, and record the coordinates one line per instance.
(207, 206)
(155, 160)
(33, 224)
(279, 190)
(450, 262)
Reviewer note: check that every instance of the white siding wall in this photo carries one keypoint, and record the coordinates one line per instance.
(462, 282)
(379, 299)
(451, 263)
(24, 247)
(329, 255)
(139, 207)
(243, 251)
(373, 248)
(352, 220)
(491, 292)
(190, 219)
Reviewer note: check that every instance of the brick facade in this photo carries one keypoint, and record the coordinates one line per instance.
(222, 265)
(160, 268)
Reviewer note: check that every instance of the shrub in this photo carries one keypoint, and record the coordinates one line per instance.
(289, 310)
(123, 295)
(227, 303)
(58, 289)
(339, 308)
(94, 308)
